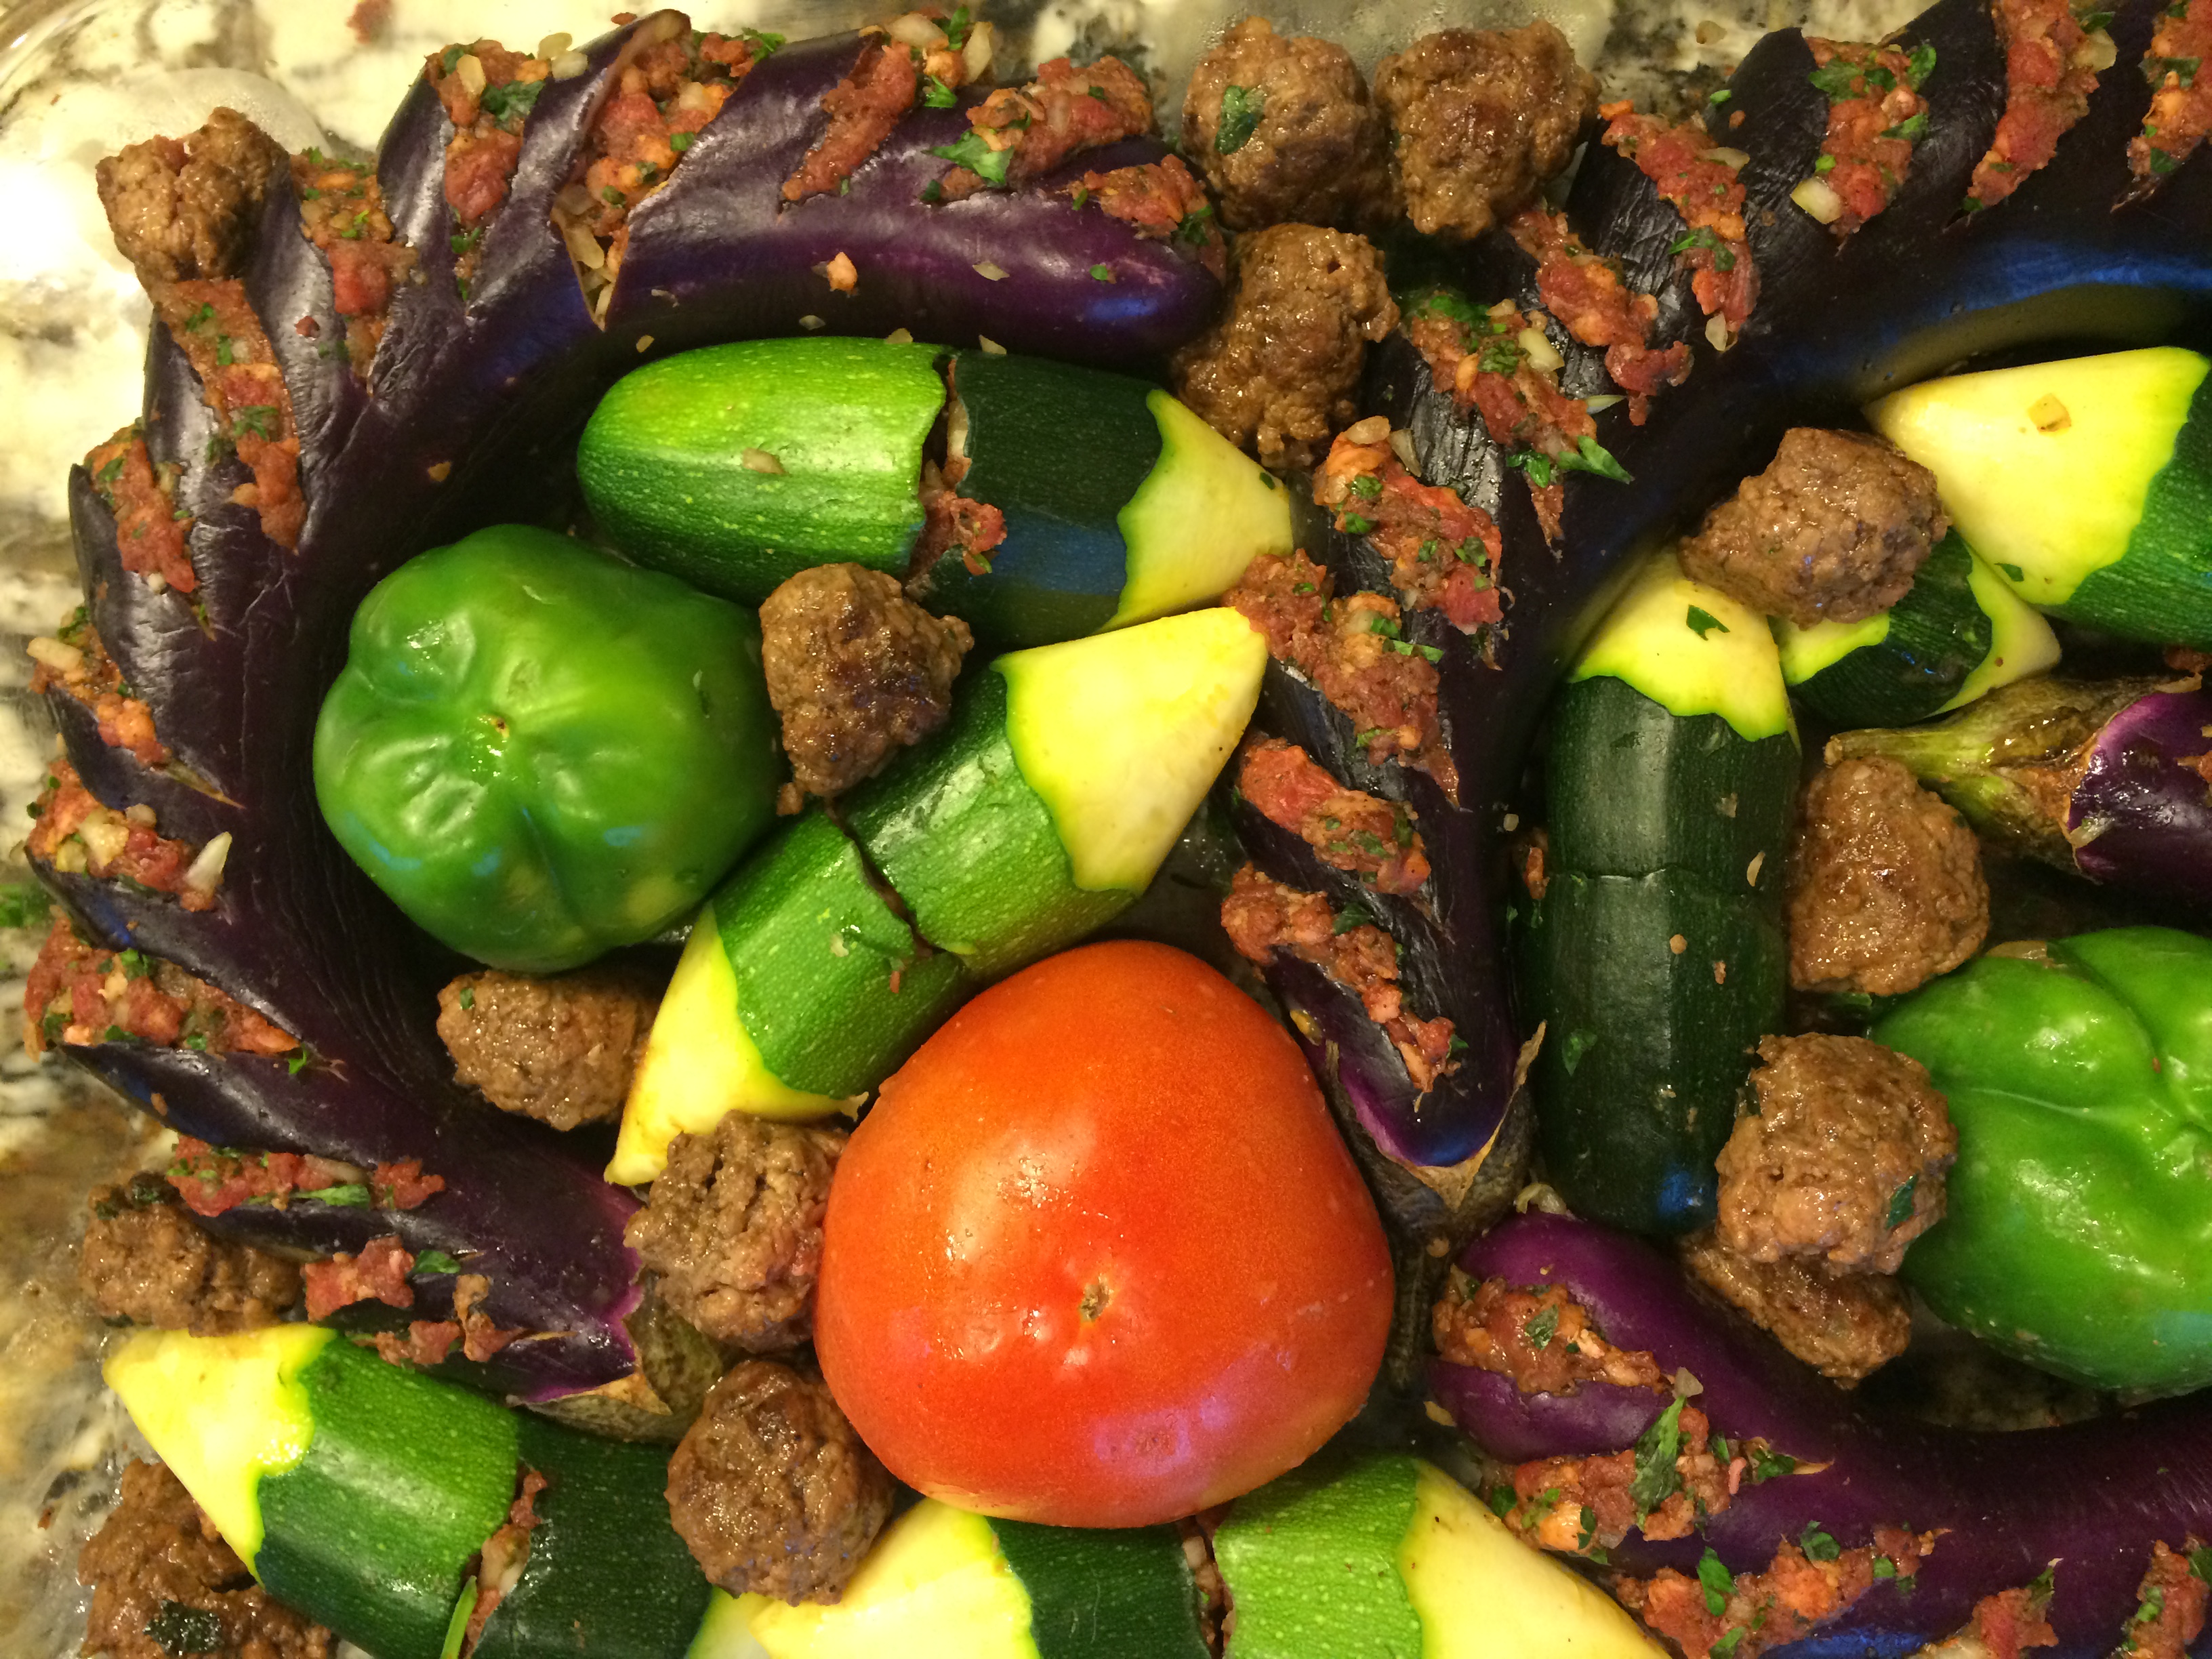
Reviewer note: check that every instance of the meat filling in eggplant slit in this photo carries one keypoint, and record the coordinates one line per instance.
(1663, 860)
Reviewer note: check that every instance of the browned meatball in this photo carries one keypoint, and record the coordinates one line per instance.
(1276, 375)
(1285, 131)
(158, 1568)
(561, 1050)
(189, 208)
(1843, 1158)
(145, 1260)
(857, 670)
(733, 1227)
(1845, 1325)
(772, 1491)
(1480, 118)
(1886, 887)
(1834, 530)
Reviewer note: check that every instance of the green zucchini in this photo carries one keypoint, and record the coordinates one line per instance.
(1958, 635)
(1065, 776)
(1653, 954)
(736, 466)
(2087, 483)
(361, 1493)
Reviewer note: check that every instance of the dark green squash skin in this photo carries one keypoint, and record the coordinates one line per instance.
(1663, 828)
(1104, 1593)
(1938, 634)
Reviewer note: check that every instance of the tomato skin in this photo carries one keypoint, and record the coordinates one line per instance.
(1097, 1256)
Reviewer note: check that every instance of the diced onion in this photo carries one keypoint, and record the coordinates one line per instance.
(899, 336)
(1716, 332)
(1375, 429)
(1504, 309)
(1734, 160)
(1401, 445)
(62, 658)
(2047, 412)
(644, 343)
(912, 29)
(976, 56)
(554, 45)
(759, 461)
(204, 873)
(141, 814)
(583, 246)
(568, 66)
(990, 272)
(574, 200)
(156, 583)
(1538, 348)
(661, 26)
(810, 322)
(104, 839)
(991, 347)
(1817, 197)
(2097, 51)
(1602, 402)
(469, 70)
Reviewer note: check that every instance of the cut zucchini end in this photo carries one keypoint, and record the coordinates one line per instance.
(935, 1583)
(1207, 511)
(167, 1380)
(1693, 650)
(700, 1064)
(2047, 468)
(726, 1632)
(1122, 734)
(1806, 651)
(2021, 643)
(1458, 1556)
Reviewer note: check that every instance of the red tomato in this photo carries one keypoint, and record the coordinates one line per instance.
(1097, 1256)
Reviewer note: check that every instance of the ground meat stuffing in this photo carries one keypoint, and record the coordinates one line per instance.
(1832, 530)
(1350, 829)
(80, 993)
(1543, 1339)
(1480, 118)
(1344, 647)
(184, 213)
(214, 1179)
(74, 662)
(79, 836)
(1444, 554)
(152, 536)
(1261, 916)
(1874, 113)
(488, 93)
(144, 1261)
(733, 1227)
(1842, 1159)
(857, 670)
(2050, 69)
(561, 1050)
(377, 1273)
(1500, 363)
(1285, 131)
(1587, 292)
(1845, 1325)
(772, 1491)
(342, 213)
(1807, 1583)
(1278, 373)
(2011, 1620)
(1019, 134)
(2169, 1603)
(1162, 202)
(504, 1554)
(158, 1568)
(1587, 1505)
(1885, 885)
(1698, 180)
(667, 92)
(2180, 113)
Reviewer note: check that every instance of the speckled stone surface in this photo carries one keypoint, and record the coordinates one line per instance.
(77, 79)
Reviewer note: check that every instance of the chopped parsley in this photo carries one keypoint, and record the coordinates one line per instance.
(1909, 129)
(224, 357)
(956, 29)
(766, 43)
(1499, 357)
(1351, 916)
(436, 1261)
(201, 318)
(446, 60)
(107, 475)
(1725, 1646)
(1578, 1044)
(1817, 1544)
(513, 101)
(1102, 273)
(936, 94)
(1702, 623)
(468, 996)
(1501, 1501)
(1826, 164)
(23, 904)
(1717, 1581)
(2200, 1563)
(1919, 66)
(1900, 1204)
(300, 1061)
(1884, 1567)
(259, 419)
(1367, 486)
(347, 1196)
(1656, 1479)
(1766, 1464)
(1540, 1330)
(975, 153)
(1703, 237)
(1353, 525)
(465, 242)
(1837, 81)
(1195, 223)
(680, 142)
(1719, 97)
(614, 197)
(2183, 68)
(1240, 115)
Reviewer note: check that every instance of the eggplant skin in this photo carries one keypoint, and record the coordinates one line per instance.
(1918, 287)
(467, 419)
(2092, 1496)
(2147, 793)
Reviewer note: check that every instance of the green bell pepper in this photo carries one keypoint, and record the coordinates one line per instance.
(541, 752)
(2079, 1234)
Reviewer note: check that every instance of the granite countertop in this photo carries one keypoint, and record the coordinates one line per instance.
(79, 77)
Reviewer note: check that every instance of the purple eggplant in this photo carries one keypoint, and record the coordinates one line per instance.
(1919, 287)
(2093, 1497)
(468, 412)
(2109, 780)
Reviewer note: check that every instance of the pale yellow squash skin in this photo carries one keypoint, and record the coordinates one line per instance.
(1216, 508)
(936, 1586)
(166, 1379)
(2046, 467)
(2020, 641)
(1732, 669)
